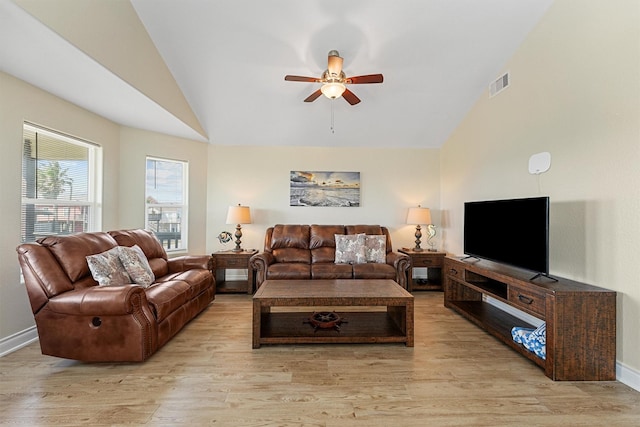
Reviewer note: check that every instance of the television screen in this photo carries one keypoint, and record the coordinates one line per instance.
(514, 232)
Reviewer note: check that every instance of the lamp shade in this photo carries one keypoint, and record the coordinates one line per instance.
(239, 215)
(332, 90)
(419, 216)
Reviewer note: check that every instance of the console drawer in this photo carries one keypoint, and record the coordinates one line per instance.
(524, 298)
(419, 261)
(227, 262)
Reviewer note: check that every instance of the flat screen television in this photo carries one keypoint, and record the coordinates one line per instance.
(514, 232)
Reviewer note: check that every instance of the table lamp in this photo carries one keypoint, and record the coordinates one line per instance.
(417, 216)
(238, 215)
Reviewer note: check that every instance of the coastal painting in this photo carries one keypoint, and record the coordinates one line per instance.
(333, 189)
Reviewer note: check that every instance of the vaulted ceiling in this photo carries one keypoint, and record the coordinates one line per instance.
(214, 70)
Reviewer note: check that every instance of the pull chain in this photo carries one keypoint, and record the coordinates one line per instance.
(333, 129)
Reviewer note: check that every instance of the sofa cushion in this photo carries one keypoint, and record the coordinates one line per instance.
(145, 239)
(136, 264)
(290, 236)
(322, 255)
(71, 250)
(375, 248)
(107, 269)
(322, 236)
(286, 270)
(197, 279)
(41, 267)
(374, 271)
(364, 229)
(159, 266)
(290, 255)
(331, 271)
(166, 297)
(350, 249)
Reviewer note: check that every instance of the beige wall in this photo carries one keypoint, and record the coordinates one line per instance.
(20, 101)
(391, 181)
(136, 146)
(123, 183)
(575, 92)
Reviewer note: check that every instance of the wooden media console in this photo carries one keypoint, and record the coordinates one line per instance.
(580, 318)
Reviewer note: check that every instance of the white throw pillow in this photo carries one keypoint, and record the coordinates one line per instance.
(350, 249)
(375, 248)
(107, 269)
(137, 265)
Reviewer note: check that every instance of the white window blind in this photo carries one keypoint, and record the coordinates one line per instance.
(60, 184)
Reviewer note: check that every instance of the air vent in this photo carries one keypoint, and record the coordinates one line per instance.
(499, 85)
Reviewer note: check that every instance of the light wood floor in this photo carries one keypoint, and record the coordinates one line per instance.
(456, 375)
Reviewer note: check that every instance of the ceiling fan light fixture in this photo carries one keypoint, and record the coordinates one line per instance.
(333, 90)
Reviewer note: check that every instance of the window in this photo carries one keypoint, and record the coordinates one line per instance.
(60, 184)
(166, 202)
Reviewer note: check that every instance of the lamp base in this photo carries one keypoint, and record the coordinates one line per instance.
(418, 235)
(238, 235)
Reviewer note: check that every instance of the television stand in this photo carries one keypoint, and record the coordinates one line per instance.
(580, 318)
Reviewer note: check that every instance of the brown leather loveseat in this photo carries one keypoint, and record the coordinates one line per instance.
(77, 319)
(309, 252)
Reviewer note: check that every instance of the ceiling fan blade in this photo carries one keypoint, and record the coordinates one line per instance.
(369, 78)
(313, 96)
(301, 79)
(334, 63)
(350, 97)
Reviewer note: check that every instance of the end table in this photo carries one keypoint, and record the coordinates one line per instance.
(223, 260)
(432, 261)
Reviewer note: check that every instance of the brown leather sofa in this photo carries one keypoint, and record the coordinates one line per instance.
(308, 252)
(77, 319)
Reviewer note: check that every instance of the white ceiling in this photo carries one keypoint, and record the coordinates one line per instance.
(229, 58)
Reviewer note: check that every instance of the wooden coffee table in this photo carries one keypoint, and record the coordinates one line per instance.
(371, 311)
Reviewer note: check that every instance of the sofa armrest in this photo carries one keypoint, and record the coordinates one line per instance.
(189, 262)
(99, 301)
(260, 262)
(401, 263)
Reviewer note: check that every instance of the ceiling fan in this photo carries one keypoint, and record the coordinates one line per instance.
(334, 81)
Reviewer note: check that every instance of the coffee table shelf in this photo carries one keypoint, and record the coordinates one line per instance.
(381, 312)
(358, 327)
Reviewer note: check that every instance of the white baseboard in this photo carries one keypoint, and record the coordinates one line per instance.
(18, 340)
(628, 376)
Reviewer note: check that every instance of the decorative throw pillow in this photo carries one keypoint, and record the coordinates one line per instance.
(538, 341)
(107, 269)
(375, 248)
(534, 340)
(350, 249)
(137, 265)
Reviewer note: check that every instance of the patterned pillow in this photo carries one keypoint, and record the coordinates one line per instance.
(107, 269)
(350, 249)
(375, 248)
(534, 340)
(137, 266)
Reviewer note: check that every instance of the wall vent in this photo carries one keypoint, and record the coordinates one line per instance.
(499, 85)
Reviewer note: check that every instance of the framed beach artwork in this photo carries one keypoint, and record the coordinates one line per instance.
(332, 189)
